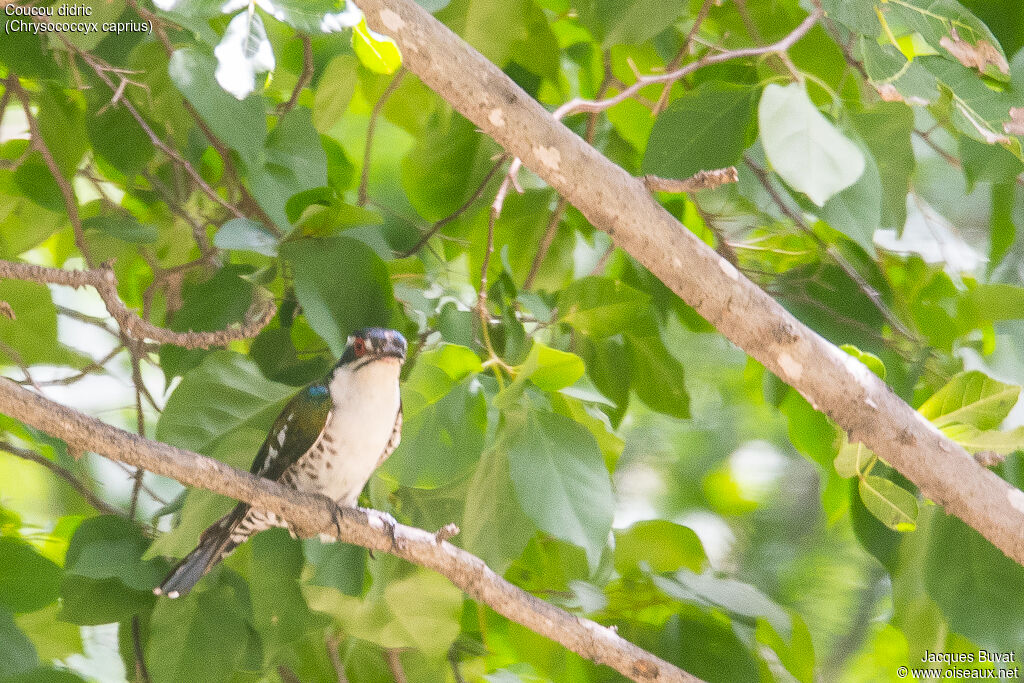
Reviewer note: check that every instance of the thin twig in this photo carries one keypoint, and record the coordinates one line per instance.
(140, 425)
(102, 69)
(90, 369)
(304, 78)
(546, 241)
(364, 176)
(395, 665)
(722, 245)
(66, 191)
(433, 230)
(65, 474)
(333, 642)
(683, 49)
(16, 357)
(578, 105)
(141, 672)
(840, 260)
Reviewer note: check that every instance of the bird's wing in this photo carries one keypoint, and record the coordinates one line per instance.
(297, 429)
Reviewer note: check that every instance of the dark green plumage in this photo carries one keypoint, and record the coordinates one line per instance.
(302, 419)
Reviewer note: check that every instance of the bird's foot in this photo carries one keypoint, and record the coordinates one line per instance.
(337, 515)
(392, 525)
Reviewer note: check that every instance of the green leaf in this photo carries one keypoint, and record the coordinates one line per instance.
(661, 545)
(886, 129)
(1003, 230)
(45, 675)
(893, 505)
(62, 127)
(968, 577)
(595, 421)
(52, 639)
(738, 598)
(614, 22)
(560, 480)
(241, 125)
(873, 362)
(212, 304)
(28, 581)
(976, 440)
(852, 458)
(797, 655)
(804, 148)
(225, 393)
(991, 302)
(105, 579)
(116, 136)
(895, 77)
(550, 369)
(971, 398)
(426, 607)
(436, 372)
(810, 431)
(123, 227)
(32, 333)
(247, 235)
(657, 376)
(440, 441)
(336, 565)
(494, 526)
(342, 286)
(857, 211)
(35, 181)
(334, 91)
(243, 52)
(978, 111)
(109, 546)
(600, 306)
(295, 161)
(954, 32)
(376, 52)
(280, 613)
(703, 129)
(201, 636)
(17, 654)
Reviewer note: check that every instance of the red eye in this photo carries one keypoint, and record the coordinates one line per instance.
(359, 346)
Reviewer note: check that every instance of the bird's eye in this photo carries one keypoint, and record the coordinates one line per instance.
(359, 346)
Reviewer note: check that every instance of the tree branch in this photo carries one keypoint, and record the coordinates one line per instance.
(314, 513)
(615, 202)
(103, 280)
(364, 175)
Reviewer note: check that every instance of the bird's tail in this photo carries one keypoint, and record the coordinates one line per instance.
(215, 544)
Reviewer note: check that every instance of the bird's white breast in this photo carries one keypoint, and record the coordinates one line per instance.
(365, 405)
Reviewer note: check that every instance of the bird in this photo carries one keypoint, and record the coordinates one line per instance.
(328, 439)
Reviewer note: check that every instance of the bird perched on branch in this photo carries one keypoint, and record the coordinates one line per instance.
(328, 439)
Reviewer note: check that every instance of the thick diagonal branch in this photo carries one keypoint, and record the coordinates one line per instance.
(368, 528)
(103, 281)
(619, 204)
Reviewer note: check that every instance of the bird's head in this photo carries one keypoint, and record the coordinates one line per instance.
(373, 344)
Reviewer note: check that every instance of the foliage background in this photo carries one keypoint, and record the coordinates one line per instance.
(598, 443)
